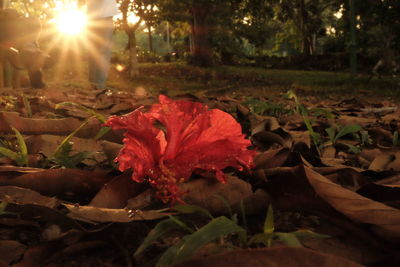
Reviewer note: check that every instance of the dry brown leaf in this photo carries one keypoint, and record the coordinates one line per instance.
(348, 178)
(10, 251)
(117, 192)
(329, 152)
(301, 136)
(370, 154)
(23, 196)
(349, 120)
(388, 194)
(395, 163)
(94, 215)
(121, 107)
(11, 168)
(271, 158)
(111, 149)
(37, 255)
(266, 139)
(47, 126)
(60, 181)
(268, 124)
(271, 257)
(204, 192)
(381, 162)
(47, 144)
(355, 206)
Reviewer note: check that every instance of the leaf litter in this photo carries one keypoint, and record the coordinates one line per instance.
(326, 166)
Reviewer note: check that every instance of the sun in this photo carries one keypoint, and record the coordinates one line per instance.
(71, 22)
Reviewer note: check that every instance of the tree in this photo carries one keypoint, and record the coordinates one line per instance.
(208, 19)
(307, 18)
(256, 24)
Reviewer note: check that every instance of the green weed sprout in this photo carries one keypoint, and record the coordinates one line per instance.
(21, 155)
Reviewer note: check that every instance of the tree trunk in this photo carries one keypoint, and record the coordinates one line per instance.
(305, 40)
(133, 60)
(150, 38)
(202, 52)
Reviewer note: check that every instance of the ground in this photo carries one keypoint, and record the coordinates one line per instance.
(323, 189)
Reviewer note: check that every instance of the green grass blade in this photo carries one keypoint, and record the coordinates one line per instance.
(262, 238)
(181, 224)
(309, 234)
(3, 206)
(396, 141)
(27, 106)
(289, 239)
(226, 203)
(161, 229)
(21, 143)
(331, 133)
(9, 153)
(354, 128)
(243, 214)
(102, 132)
(269, 226)
(189, 209)
(66, 140)
(215, 229)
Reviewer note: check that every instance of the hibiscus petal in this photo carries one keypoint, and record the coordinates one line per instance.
(220, 144)
(181, 121)
(143, 144)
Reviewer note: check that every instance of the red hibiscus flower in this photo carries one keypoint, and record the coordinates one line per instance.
(190, 138)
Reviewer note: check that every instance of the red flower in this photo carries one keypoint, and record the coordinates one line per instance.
(195, 138)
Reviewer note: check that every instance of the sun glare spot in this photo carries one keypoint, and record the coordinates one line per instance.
(71, 22)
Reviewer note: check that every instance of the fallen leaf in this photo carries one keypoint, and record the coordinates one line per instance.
(214, 196)
(271, 257)
(355, 206)
(11, 250)
(94, 215)
(22, 196)
(381, 162)
(117, 192)
(47, 126)
(60, 181)
(271, 158)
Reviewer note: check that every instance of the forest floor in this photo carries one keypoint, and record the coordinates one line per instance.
(324, 189)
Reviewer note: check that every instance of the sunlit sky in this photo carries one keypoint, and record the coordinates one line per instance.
(71, 19)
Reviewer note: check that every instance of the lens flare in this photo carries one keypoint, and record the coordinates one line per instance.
(71, 22)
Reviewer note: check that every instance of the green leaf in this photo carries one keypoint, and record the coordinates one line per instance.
(63, 147)
(189, 209)
(353, 149)
(162, 228)
(22, 159)
(226, 203)
(27, 105)
(181, 224)
(102, 132)
(331, 133)
(348, 129)
(243, 213)
(308, 234)
(189, 244)
(262, 238)
(365, 138)
(9, 153)
(396, 141)
(289, 239)
(3, 206)
(269, 226)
